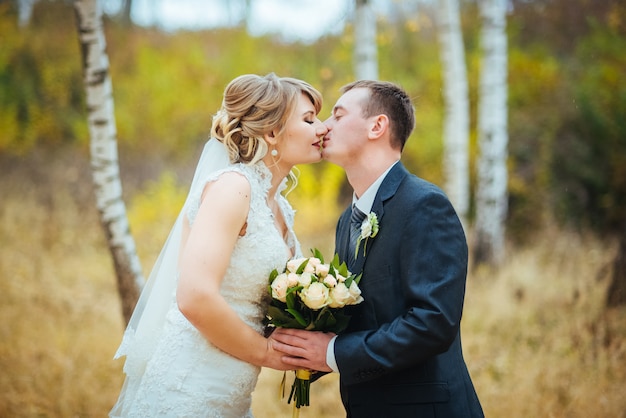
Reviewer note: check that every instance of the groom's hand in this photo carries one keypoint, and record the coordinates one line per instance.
(304, 349)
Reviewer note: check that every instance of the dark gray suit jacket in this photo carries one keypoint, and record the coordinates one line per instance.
(401, 354)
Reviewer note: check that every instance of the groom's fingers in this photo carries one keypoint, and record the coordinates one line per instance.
(287, 348)
(287, 332)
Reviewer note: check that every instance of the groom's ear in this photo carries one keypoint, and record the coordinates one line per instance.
(380, 125)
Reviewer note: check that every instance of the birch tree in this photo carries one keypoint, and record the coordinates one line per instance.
(104, 156)
(24, 12)
(365, 47)
(126, 12)
(456, 104)
(491, 195)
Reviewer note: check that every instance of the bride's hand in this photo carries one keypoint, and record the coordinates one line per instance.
(274, 358)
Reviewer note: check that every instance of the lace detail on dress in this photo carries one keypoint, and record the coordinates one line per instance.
(189, 377)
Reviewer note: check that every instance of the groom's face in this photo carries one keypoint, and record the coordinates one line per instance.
(347, 129)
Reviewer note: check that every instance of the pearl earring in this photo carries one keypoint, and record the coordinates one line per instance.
(274, 153)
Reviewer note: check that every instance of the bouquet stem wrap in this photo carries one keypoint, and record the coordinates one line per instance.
(300, 390)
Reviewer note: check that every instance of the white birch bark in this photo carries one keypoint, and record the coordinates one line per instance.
(104, 155)
(456, 104)
(24, 12)
(365, 46)
(491, 195)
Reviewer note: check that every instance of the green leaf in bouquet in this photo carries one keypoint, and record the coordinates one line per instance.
(272, 276)
(325, 320)
(280, 318)
(294, 290)
(318, 254)
(335, 261)
(292, 297)
(342, 269)
(341, 322)
(301, 320)
(348, 282)
(302, 266)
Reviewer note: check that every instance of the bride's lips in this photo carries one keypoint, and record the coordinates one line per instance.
(319, 144)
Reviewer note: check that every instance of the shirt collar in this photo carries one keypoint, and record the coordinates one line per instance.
(365, 202)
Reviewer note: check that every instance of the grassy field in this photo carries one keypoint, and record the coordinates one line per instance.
(537, 339)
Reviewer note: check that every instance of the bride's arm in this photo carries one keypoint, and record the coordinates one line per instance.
(204, 260)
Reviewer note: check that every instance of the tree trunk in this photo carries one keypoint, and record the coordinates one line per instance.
(616, 295)
(126, 12)
(24, 12)
(365, 47)
(491, 195)
(456, 125)
(104, 156)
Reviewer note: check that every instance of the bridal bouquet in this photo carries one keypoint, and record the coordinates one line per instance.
(310, 294)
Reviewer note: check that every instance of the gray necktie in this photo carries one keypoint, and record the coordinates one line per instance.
(355, 230)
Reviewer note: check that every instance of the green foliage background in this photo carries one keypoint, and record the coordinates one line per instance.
(567, 101)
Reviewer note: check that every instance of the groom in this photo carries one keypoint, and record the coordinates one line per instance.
(401, 354)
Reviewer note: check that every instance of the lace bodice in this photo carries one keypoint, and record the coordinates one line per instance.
(186, 375)
(262, 245)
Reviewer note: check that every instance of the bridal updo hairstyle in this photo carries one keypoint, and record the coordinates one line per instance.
(254, 106)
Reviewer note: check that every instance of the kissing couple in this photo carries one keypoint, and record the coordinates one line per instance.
(195, 344)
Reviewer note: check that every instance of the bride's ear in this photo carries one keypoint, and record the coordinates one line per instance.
(270, 139)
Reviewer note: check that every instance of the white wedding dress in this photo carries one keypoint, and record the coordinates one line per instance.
(186, 375)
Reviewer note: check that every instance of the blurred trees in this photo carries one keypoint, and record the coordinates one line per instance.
(567, 98)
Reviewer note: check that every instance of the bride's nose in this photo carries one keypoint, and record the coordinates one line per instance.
(321, 129)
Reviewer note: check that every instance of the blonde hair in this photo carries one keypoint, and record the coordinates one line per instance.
(254, 106)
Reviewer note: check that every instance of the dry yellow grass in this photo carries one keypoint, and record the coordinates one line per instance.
(537, 339)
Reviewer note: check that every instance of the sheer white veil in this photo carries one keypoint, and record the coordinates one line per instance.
(146, 323)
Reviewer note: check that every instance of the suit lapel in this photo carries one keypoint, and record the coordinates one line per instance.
(386, 191)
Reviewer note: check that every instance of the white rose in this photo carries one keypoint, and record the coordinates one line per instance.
(355, 294)
(279, 287)
(315, 296)
(292, 279)
(330, 281)
(312, 264)
(322, 269)
(305, 279)
(339, 296)
(293, 264)
(340, 278)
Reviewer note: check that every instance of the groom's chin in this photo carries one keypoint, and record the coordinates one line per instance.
(326, 156)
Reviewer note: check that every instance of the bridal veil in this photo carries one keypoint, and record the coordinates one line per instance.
(148, 318)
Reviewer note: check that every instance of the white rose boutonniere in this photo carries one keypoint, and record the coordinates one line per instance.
(369, 229)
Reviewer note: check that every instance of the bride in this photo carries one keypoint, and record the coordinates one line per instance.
(194, 345)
